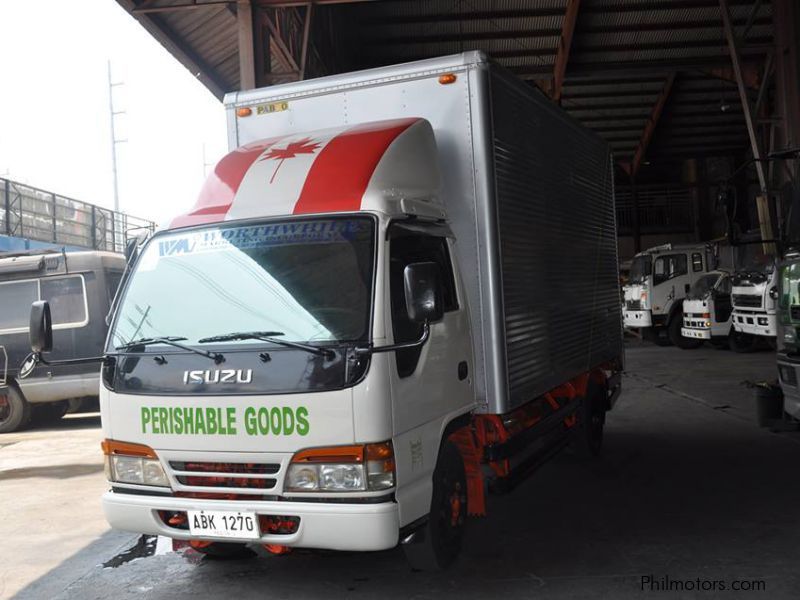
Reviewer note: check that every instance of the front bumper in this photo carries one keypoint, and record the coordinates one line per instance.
(355, 527)
(755, 323)
(637, 318)
(696, 334)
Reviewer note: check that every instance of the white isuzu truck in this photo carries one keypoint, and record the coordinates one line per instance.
(397, 291)
(755, 300)
(660, 278)
(707, 309)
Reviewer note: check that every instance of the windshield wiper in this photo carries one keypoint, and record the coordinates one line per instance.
(267, 336)
(172, 341)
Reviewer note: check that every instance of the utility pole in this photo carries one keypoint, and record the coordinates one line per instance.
(114, 141)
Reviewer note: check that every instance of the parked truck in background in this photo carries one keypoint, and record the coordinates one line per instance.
(707, 309)
(755, 299)
(368, 319)
(660, 277)
(788, 329)
(79, 287)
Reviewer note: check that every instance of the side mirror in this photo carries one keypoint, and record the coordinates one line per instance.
(41, 327)
(131, 250)
(423, 291)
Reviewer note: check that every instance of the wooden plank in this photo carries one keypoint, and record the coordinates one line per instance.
(740, 84)
(564, 44)
(650, 126)
(247, 61)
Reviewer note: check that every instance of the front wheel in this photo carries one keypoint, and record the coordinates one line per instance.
(15, 411)
(677, 338)
(437, 544)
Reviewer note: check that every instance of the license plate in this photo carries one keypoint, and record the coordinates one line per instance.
(224, 524)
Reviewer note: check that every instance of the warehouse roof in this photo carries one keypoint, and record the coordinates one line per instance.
(616, 65)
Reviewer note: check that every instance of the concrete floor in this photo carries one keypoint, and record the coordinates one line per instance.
(688, 488)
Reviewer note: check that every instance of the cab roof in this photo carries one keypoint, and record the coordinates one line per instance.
(370, 166)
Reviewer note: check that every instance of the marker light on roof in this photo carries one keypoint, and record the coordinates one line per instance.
(447, 78)
(244, 111)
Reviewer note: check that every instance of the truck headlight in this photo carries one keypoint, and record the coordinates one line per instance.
(773, 292)
(133, 463)
(342, 469)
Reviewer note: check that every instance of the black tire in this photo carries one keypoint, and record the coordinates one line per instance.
(15, 411)
(438, 543)
(226, 551)
(50, 412)
(587, 437)
(771, 342)
(675, 336)
(740, 342)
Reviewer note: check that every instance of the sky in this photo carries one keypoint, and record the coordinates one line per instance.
(54, 109)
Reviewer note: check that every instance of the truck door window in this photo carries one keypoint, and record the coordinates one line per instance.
(667, 267)
(112, 283)
(697, 262)
(404, 251)
(67, 300)
(16, 298)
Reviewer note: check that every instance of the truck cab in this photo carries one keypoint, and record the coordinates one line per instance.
(755, 298)
(707, 309)
(660, 278)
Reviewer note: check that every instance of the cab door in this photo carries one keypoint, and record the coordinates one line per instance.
(432, 383)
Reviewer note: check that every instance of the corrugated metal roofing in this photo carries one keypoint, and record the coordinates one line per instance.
(621, 54)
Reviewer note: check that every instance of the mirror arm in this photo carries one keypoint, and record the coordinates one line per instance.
(426, 332)
(71, 361)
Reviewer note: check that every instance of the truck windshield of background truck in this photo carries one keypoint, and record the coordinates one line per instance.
(703, 286)
(309, 279)
(790, 290)
(641, 267)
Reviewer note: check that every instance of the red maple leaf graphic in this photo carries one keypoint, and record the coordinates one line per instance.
(304, 146)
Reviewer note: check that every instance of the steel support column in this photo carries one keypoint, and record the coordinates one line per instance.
(733, 48)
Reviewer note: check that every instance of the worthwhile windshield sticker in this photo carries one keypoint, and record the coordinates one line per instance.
(260, 236)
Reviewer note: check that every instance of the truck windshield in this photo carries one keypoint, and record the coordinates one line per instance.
(641, 267)
(703, 286)
(309, 279)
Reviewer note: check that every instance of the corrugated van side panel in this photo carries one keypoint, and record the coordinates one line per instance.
(557, 230)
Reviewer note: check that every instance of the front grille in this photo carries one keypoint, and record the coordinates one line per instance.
(747, 301)
(794, 311)
(633, 304)
(242, 477)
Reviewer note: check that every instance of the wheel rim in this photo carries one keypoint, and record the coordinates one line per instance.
(5, 408)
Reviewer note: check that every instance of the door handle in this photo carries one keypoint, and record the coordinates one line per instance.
(463, 370)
